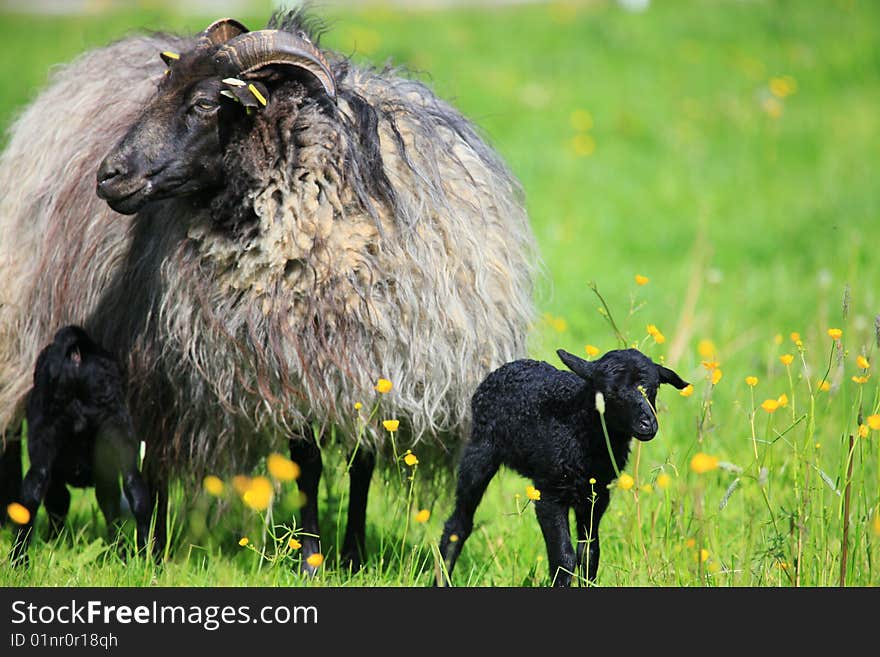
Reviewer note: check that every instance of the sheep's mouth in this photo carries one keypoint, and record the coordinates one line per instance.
(128, 202)
(644, 437)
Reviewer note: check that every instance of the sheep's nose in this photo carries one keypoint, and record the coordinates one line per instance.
(647, 426)
(109, 171)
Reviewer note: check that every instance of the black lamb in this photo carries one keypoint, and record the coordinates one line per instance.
(543, 423)
(80, 434)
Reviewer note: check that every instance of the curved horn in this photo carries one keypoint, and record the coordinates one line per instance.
(250, 52)
(221, 31)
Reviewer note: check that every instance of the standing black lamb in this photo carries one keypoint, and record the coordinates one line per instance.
(544, 423)
(79, 434)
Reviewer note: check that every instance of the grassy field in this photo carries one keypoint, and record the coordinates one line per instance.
(723, 150)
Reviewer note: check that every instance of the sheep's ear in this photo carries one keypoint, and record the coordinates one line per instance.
(583, 368)
(670, 377)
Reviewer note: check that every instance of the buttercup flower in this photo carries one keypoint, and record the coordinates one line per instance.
(702, 463)
(410, 459)
(591, 350)
(384, 386)
(751, 381)
(663, 481)
(391, 425)
(786, 359)
(770, 405)
(533, 493)
(259, 495)
(243, 541)
(625, 481)
(294, 544)
(422, 516)
(835, 333)
(282, 468)
(687, 391)
(873, 422)
(642, 280)
(18, 513)
(213, 485)
(862, 362)
(315, 560)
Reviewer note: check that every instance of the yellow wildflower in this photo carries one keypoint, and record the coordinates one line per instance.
(706, 348)
(702, 463)
(704, 554)
(358, 406)
(592, 481)
(877, 523)
(422, 516)
(770, 405)
(795, 337)
(862, 362)
(625, 481)
(259, 495)
(213, 485)
(384, 385)
(863, 431)
(687, 391)
(243, 541)
(824, 385)
(873, 422)
(591, 350)
(861, 379)
(786, 359)
(835, 333)
(533, 493)
(782, 400)
(663, 481)
(294, 544)
(241, 484)
(646, 488)
(391, 425)
(716, 375)
(410, 459)
(642, 280)
(691, 542)
(18, 513)
(315, 560)
(777, 338)
(751, 381)
(282, 468)
(710, 364)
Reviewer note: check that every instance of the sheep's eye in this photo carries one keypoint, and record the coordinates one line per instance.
(204, 106)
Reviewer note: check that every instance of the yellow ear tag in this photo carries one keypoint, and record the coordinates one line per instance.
(257, 95)
(170, 55)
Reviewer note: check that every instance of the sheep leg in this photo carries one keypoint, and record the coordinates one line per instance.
(157, 488)
(353, 547)
(33, 492)
(587, 517)
(10, 472)
(57, 505)
(553, 519)
(478, 465)
(133, 485)
(308, 455)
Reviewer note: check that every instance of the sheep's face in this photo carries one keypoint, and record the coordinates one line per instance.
(176, 146)
(628, 381)
(173, 149)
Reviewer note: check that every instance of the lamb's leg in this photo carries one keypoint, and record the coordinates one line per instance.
(353, 548)
(553, 518)
(43, 452)
(33, 491)
(478, 465)
(57, 505)
(588, 516)
(125, 447)
(10, 471)
(308, 455)
(106, 468)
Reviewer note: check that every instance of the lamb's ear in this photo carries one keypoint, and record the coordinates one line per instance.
(670, 377)
(583, 368)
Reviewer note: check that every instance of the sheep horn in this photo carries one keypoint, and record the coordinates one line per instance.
(220, 31)
(250, 52)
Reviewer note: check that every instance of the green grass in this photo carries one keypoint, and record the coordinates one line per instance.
(753, 216)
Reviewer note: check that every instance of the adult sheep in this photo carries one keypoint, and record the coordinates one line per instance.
(301, 225)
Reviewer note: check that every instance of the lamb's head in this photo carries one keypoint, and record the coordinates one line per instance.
(628, 381)
(176, 146)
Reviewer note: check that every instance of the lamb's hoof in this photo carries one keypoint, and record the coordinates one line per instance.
(351, 561)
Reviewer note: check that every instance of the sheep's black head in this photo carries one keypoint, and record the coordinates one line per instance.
(628, 381)
(176, 146)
